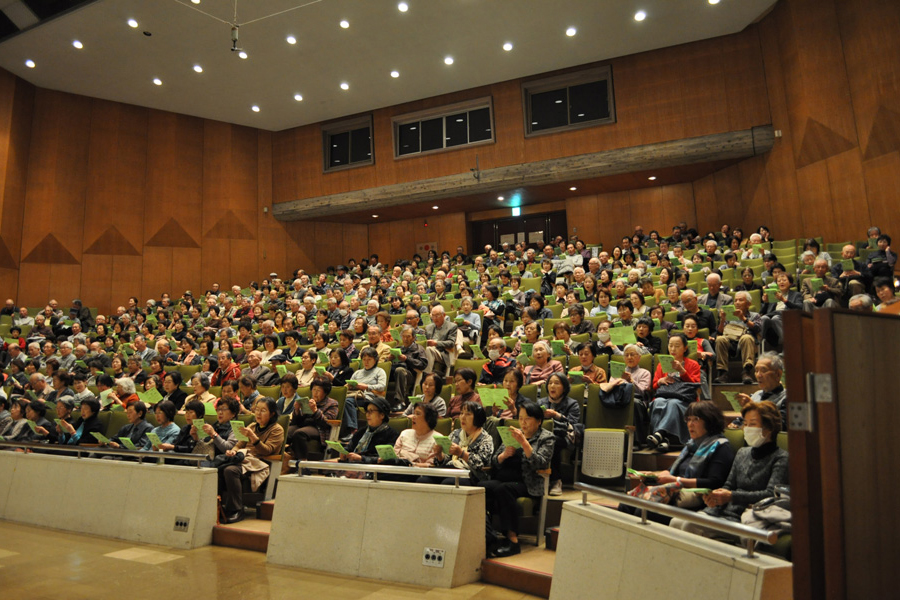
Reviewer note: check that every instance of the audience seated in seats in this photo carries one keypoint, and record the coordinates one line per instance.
(738, 332)
(200, 384)
(705, 318)
(567, 428)
(5, 416)
(706, 355)
(854, 275)
(471, 448)
(309, 421)
(704, 462)
(829, 292)
(80, 432)
(672, 395)
(370, 382)
(543, 365)
(757, 469)
(307, 371)
(166, 430)
(515, 473)
(137, 428)
(464, 384)
(377, 432)
(884, 291)
(124, 393)
(530, 335)
(251, 460)
(171, 391)
(17, 429)
(501, 360)
(590, 373)
(415, 446)
(432, 384)
(226, 370)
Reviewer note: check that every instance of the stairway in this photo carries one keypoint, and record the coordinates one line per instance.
(249, 534)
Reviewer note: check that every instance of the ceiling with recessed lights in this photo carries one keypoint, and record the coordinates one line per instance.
(296, 62)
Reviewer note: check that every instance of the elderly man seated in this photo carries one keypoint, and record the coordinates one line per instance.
(861, 302)
(853, 273)
(705, 318)
(769, 369)
(715, 299)
(823, 290)
(441, 335)
(740, 329)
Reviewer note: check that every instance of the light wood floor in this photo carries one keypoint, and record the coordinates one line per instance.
(38, 564)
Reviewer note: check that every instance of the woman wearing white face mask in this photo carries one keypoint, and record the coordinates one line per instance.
(757, 468)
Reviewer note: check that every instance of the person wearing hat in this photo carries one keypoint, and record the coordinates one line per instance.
(377, 432)
(82, 313)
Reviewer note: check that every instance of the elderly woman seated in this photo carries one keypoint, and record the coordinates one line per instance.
(187, 437)
(137, 428)
(432, 384)
(80, 432)
(377, 432)
(565, 412)
(673, 393)
(252, 459)
(17, 426)
(309, 421)
(757, 469)
(515, 474)
(464, 381)
(165, 429)
(543, 366)
(704, 462)
(371, 382)
(44, 430)
(471, 447)
(200, 383)
(415, 446)
(124, 394)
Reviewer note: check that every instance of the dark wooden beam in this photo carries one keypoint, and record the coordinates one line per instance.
(720, 146)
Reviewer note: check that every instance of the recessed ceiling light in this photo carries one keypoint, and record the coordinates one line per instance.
(507, 46)
(374, 216)
(713, 1)
(395, 74)
(640, 15)
(132, 23)
(254, 108)
(573, 188)
(345, 24)
(196, 1)
(652, 178)
(345, 86)
(435, 207)
(403, 7)
(78, 44)
(501, 198)
(448, 60)
(198, 68)
(571, 31)
(157, 81)
(242, 54)
(29, 63)
(291, 39)
(298, 97)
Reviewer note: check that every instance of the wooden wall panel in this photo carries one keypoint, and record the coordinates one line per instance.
(355, 242)
(615, 212)
(754, 194)
(16, 107)
(329, 243)
(581, 216)
(380, 239)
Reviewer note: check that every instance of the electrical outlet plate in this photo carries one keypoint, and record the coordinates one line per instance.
(182, 524)
(433, 557)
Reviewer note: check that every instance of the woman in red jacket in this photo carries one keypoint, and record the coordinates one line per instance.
(672, 393)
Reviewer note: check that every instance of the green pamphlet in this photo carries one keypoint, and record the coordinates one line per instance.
(476, 351)
(770, 296)
(493, 396)
(336, 446)
(847, 265)
(443, 441)
(304, 405)
(323, 357)
(581, 294)
(667, 362)
(117, 408)
(396, 352)
(872, 243)
(155, 442)
(352, 383)
(320, 370)
(150, 397)
(527, 348)
(808, 268)
(557, 346)
(100, 437)
(576, 375)
(692, 346)
(281, 369)
(459, 319)
(59, 423)
(730, 396)
(31, 425)
(523, 360)
(757, 248)
(419, 398)
(728, 309)
(210, 407)
(11, 341)
(81, 363)
(236, 427)
(616, 369)
(420, 338)
(507, 437)
(701, 491)
(621, 336)
(126, 441)
(507, 295)
(697, 267)
(32, 395)
(386, 452)
(647, 477)
(297, 359)
(656, 323)
(815, 284)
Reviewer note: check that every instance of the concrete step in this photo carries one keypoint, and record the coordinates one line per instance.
(249, 534)
(265, 509)
(530, 572)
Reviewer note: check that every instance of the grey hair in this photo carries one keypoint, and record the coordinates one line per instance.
(714, 277)
(126, 384)
(689, 292)
(546, 346)
(631, 347)
(744, 294)
(66, 345)
(774, 359)
(807, 253)
(863, 299)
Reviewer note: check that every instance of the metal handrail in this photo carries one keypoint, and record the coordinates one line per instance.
(79, 450)
(752, 535)
(456, 474)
